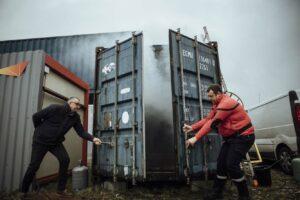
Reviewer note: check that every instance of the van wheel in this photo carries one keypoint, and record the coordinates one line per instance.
(285, 155)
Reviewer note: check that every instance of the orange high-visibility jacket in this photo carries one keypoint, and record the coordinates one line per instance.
(228, 116)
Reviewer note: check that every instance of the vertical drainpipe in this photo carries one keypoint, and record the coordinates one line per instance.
(187, 169)
(117, 49)
(197, 56)
(96, 157)
(133, 122)
(214, 46)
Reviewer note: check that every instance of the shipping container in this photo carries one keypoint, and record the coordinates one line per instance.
(44, 81)
(144, 95)
(75, 52)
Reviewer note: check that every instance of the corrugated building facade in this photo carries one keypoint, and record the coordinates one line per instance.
(76, 52)
(43, 82)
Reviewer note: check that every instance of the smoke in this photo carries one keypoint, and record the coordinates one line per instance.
(258, 40)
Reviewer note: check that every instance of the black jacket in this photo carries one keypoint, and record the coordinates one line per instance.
(54, 121)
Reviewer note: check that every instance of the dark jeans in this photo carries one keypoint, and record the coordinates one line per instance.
(233, 151)
(37, 155)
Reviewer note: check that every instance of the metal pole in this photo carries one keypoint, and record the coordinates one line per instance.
(201, 105)
(133, 42)
(96, 129)
(187, 169)
(117, 48)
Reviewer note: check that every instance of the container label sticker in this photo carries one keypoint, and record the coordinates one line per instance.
(126, 170)
(125, 90)
(125, 117)
(108, 68)
(204, 87)
(187, 54)
(204, 63)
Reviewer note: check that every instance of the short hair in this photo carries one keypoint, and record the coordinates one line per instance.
(72, 98)
(216, 88)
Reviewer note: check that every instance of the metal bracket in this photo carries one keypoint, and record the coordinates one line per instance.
(178, 36)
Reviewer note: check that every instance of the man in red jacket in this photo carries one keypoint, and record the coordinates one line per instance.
(234, 125)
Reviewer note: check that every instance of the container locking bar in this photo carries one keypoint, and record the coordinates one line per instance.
(117, 52)
(187, 151)
(201, 105)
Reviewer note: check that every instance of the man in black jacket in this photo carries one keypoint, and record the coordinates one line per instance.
(51, 124)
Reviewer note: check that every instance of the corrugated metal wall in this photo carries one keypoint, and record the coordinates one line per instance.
(77, 52)
(18, 101)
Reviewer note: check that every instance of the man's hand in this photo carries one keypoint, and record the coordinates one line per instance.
(97, 141)
(190, 142)
(187, 128)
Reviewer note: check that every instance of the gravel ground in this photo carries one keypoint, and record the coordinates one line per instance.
(283, 187)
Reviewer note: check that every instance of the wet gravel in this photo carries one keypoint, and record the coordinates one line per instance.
(283, 187)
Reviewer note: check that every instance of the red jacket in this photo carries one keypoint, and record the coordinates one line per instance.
(226, 114)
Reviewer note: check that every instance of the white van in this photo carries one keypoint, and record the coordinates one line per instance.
(277, 128)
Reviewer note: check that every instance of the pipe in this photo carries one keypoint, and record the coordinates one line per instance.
(133, 106)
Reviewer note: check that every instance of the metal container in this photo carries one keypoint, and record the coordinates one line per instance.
(79, 177)
(75, 52)
(44, 82)
(139, 109)
(194, 66)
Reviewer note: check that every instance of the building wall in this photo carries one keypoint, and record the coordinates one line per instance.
(18, 101)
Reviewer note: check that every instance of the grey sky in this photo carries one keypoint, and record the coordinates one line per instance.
(259, 40)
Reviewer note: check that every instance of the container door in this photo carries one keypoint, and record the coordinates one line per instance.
(194, 66)
(119, 111)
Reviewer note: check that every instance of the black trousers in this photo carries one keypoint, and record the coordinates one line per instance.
(37, 155)
(233, 151)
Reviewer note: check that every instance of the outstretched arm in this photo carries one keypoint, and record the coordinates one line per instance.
(200, 124)
(80, 131)
(213, 123)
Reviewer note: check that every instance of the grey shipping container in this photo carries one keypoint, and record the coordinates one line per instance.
(142, 103)
(75, 52)
(44, 82)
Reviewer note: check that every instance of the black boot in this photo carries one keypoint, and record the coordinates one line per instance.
(243, 190)
(217, 191)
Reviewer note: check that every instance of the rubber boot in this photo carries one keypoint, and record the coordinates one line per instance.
(243, 190)
(217, 191)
